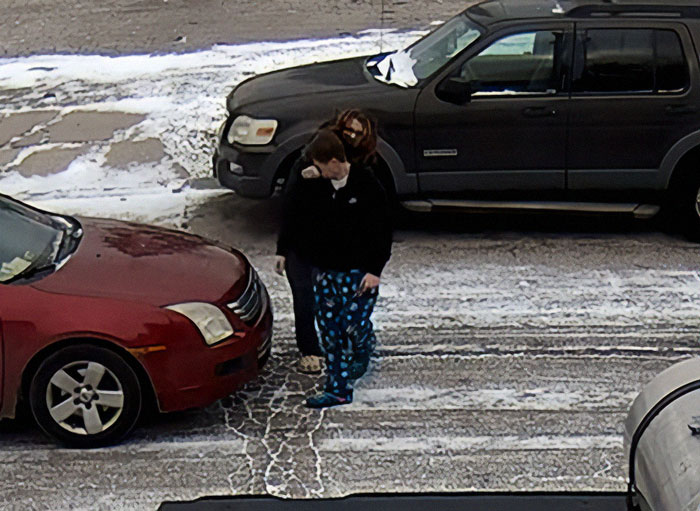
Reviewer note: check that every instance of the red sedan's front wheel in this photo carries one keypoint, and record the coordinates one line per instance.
(85, 396)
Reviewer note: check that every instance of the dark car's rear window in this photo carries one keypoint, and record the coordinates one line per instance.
(671, 67)
(629, 61)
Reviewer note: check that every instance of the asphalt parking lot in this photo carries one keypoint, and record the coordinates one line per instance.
(508, 356)
(510, 347)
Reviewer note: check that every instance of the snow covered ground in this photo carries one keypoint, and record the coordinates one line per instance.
(507, 358)
(178, 100)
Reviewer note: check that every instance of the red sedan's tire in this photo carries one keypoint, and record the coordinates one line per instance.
(85, 396)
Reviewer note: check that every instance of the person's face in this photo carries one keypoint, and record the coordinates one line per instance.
(334, 169)
(353, 132)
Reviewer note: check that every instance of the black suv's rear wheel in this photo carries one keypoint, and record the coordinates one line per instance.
(85, 396)
(685, 208)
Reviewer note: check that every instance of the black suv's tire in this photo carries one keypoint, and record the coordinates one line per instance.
(396, 210)
(85, 396)
(685, 210)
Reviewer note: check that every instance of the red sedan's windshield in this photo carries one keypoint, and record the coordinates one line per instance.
(30, 239)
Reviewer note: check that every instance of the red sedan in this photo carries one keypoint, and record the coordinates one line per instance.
(99, 317)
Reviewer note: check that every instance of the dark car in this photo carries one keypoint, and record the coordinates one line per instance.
(101, 318)
(537, 104)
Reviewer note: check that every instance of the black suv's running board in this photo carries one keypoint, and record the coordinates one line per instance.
(638, 210)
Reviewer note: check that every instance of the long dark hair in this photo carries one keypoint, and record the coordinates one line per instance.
(366, 151)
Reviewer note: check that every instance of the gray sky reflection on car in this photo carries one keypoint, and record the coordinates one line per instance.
(420, 60)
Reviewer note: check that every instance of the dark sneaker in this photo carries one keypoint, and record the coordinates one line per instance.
(327, 400)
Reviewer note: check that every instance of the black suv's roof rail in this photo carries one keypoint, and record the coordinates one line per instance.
(489, 12)
(631, 8)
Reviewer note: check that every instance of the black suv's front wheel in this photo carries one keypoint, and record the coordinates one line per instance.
(684, 205)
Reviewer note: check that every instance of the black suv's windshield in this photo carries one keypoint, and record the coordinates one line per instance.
(31, 240)
(420, 60)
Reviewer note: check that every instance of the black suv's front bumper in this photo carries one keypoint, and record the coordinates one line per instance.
(249, 173)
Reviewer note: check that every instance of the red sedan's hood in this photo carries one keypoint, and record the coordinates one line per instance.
(143, 263)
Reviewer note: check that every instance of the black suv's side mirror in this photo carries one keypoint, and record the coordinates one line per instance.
(455, 90)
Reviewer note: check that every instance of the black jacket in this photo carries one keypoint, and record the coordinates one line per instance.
(341, 229)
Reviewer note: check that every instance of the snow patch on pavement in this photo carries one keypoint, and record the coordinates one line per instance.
(38, 70)
(168, 210)
(539, 399)
(183, 98)
(470, 444)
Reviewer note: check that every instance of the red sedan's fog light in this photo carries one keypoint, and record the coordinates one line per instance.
(229, 367)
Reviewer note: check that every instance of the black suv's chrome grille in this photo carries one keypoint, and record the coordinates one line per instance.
(250, 303)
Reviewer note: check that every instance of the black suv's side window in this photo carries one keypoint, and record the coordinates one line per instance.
(526, 63)
(629, 61)
(671, 68)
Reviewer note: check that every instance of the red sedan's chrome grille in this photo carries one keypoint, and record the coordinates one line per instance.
(250, 304)
(264, 347)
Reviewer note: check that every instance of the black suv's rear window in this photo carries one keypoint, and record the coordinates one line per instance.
(671, 68)
(629, 61)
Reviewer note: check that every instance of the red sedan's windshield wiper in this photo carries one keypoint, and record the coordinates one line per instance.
(71, 238)
(69, 242)
(31, 272)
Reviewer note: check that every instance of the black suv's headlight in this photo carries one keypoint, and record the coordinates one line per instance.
(248, 131)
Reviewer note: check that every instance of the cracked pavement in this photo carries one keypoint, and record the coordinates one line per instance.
(278, 435)
(507, 359)
(509, 347)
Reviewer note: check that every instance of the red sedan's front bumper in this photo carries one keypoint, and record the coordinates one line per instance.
(193, 375)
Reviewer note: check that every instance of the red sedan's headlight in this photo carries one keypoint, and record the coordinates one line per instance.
(209, 319)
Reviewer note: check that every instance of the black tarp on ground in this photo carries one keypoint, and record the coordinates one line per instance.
(403, 502)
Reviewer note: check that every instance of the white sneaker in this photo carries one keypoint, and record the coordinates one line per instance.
(310, 364)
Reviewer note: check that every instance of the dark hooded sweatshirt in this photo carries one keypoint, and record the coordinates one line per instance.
(345, 229)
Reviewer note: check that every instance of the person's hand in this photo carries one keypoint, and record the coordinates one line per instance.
(310, 172)
(279, 264)
(369, 281)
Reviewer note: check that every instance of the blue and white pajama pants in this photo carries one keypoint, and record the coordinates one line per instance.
(344, 327)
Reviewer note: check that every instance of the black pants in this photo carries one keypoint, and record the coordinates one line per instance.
(299, 274)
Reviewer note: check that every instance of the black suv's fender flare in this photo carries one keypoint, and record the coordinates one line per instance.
(674, 156)
(278, 163)
(404, 183)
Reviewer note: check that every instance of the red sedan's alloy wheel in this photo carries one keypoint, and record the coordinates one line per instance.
(85, 396)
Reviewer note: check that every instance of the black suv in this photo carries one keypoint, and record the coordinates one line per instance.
(536, 104)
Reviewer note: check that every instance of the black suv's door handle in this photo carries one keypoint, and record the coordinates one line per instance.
(540, 111)
(681, 109)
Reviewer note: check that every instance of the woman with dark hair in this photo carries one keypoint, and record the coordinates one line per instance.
(358, 133)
